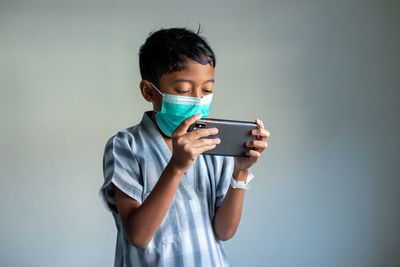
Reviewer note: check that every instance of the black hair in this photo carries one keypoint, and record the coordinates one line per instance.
(165, 50)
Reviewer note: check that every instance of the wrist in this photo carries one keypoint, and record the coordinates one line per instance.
(241, 175)
(175, 168)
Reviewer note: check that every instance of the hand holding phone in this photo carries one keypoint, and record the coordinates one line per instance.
(187, 146)
(233, 134)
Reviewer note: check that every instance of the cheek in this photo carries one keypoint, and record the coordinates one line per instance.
(157, 103)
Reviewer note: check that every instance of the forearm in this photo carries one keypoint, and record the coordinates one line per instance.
(228, 214)
(145, 220)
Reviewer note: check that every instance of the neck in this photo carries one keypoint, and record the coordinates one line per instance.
(167, 140)
(153, 118)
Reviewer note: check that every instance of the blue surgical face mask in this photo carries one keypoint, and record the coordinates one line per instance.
(175, 109)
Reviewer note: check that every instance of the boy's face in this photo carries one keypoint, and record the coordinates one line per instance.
(194, 80)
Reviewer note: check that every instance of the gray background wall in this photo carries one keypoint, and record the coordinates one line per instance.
(323, 75)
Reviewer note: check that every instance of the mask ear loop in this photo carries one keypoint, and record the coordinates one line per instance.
(156, 89)
(158, 92)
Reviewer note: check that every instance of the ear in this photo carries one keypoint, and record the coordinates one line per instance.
(147, 90)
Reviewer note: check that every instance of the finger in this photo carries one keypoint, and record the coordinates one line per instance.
(261, 133)
(253, 153)
(197, 134)
(205, 142)
(260, 123)
(204, 149)
(258, 145)
(184, 126)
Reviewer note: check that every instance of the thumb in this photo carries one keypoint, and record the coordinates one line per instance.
(184, 126)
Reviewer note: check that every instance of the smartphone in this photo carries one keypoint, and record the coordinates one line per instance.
(233, 134)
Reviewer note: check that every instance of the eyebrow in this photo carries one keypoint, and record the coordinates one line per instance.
(184, 80)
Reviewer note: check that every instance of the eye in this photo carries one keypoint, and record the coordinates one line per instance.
(181, 91)
(207, 91)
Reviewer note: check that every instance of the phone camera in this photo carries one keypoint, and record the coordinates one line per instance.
(200, 125)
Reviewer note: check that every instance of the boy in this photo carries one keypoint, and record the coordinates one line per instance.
(172, 205)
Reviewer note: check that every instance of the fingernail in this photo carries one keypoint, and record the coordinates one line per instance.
(218, 141)
(254, 131)
(214, 130)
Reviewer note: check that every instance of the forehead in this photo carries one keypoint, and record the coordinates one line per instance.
(193, 71)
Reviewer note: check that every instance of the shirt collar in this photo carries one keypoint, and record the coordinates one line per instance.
(154, 133)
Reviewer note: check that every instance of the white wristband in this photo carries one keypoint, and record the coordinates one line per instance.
(241, 184)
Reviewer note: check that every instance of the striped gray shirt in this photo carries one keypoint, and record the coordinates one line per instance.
(133, 161)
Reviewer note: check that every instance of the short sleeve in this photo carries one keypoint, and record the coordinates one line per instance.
(225, 179)
(121, 168)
